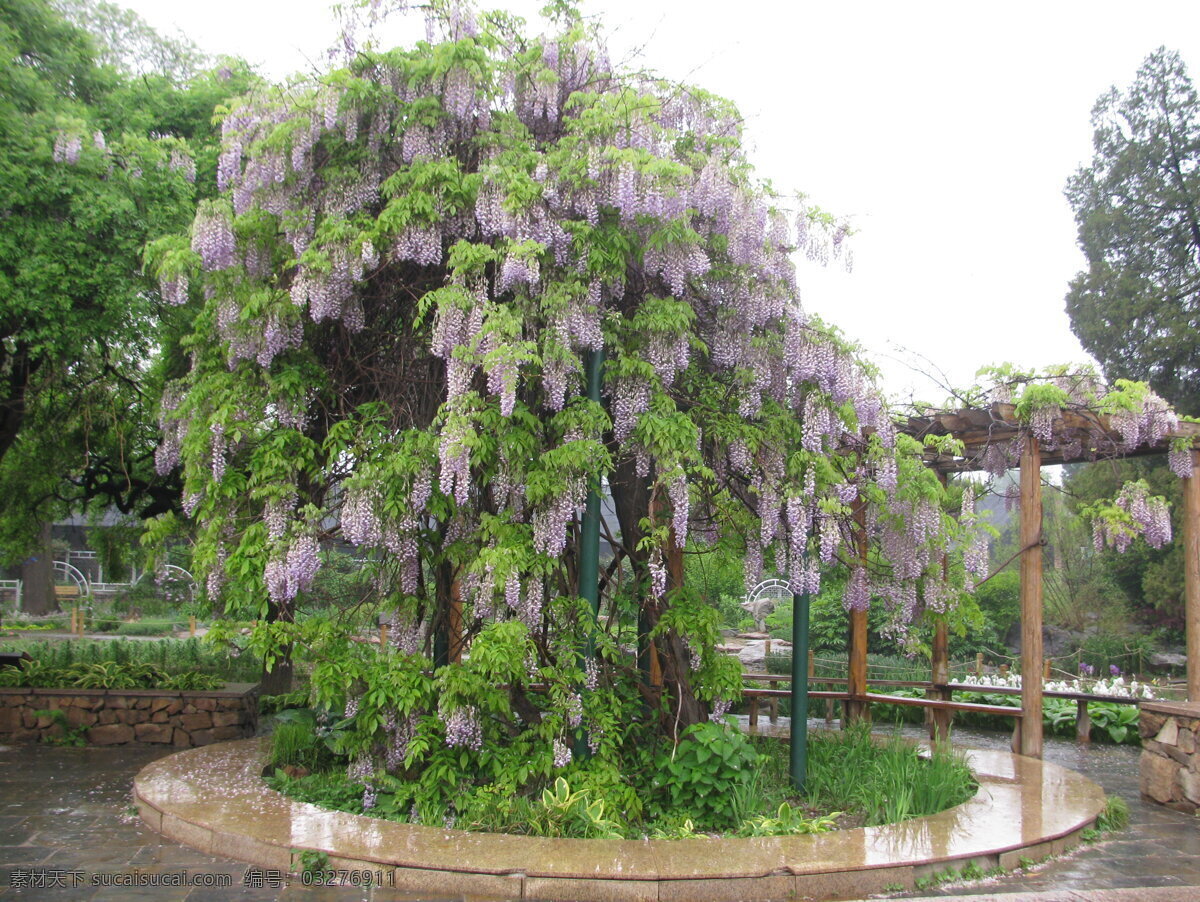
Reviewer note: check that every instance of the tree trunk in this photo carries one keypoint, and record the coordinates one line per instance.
(37, 575)
(278, 680)
(631, 500)
(19, 370)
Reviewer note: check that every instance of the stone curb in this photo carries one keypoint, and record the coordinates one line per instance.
(213, 799)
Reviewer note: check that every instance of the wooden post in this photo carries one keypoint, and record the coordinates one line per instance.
(1031, 598)
(939, 665)
(812, 664)
(1191, 575)
(656, 674)
(383, 636)
(978, 663)
(856, 709)
(192, 626)
(939, 722)
(74, 615)
(1083, 721)
(1046, 669)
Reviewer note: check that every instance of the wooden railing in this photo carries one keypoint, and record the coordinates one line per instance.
(945, 702)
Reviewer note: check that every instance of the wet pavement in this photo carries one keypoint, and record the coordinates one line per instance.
(68, 831)
(1159, 848)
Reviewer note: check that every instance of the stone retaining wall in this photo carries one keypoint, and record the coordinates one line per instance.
(1170, 764)
(132, 716)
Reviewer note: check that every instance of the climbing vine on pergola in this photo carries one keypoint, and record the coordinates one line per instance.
(1027, 421)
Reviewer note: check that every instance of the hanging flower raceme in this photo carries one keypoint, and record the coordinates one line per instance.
(1134, 512)
(212, 237)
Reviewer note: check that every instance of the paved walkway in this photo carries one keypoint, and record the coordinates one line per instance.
(65, 818)
(1160, 848)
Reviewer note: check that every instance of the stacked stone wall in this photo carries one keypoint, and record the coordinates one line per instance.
(130, 717)
(1170, 763)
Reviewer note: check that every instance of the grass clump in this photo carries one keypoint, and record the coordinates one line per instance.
(1115, 815)
(888, 781)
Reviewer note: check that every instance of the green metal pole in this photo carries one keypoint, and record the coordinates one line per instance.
(799, 751)
(589, 539)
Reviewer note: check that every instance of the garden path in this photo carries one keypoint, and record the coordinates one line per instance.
(66, 812)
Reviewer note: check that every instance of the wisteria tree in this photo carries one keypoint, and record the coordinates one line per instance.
(413, 261)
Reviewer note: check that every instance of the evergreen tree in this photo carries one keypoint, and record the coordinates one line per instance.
(1137, 306)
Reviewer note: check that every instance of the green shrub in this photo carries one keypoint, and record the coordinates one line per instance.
(707, 775)
(1128, 652)
(1000, 600)
(149, 628)
(169, 655)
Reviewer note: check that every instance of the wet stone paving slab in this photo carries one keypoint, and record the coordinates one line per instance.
(1159, 848)
(68, 831)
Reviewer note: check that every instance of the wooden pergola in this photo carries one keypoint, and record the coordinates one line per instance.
(1079, 435)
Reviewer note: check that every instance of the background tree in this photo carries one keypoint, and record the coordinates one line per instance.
(93, 163)
(1137, 306)
(126, 42)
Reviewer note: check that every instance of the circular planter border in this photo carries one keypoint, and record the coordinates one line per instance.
(213, 798)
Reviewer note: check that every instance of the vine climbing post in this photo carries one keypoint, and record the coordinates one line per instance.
(1191, 575)
(939, 722)
(799, 731)
(856, 707)
(1031, 599)
(589, 539)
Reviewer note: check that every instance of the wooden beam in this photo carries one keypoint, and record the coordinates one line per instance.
(1031, 599)
(856, 708)
(1191, 575)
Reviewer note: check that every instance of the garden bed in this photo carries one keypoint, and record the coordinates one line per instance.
(128, 716)
(212, 799)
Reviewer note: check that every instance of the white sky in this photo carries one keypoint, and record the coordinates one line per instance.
(944, 130)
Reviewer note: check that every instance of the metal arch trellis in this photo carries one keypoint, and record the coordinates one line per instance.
(68, 573)
(174, 574)
(774, 589)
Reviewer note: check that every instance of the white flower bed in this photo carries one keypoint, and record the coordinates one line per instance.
(1115, 687)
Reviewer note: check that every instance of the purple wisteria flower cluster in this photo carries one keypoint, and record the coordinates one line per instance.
(1144, 514)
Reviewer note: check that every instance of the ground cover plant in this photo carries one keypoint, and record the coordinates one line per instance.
(170, 656)
(714, 781)
(106, 675)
